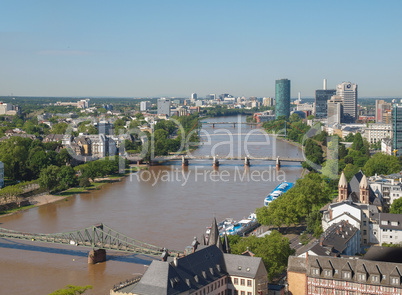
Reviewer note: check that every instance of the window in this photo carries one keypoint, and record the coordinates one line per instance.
(374, 278)
(314, 271)
(384, 222)
(236, 281)
(249, 284)
(243, 293)
(364, 232)
(248, 293)
(365, 241)
(364, 223)
(394, 280)
(346, 274)
(362, 277)
(242, 282)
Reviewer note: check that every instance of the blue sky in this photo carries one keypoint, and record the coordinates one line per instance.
(173, 48)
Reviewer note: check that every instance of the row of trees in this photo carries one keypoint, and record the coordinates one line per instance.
(25, 158)
(300, 203)
(55, 178)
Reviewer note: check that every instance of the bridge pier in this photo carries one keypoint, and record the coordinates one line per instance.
(215, 162)
(184, 161)
(246, 162)
(96, 256)
(278, 163)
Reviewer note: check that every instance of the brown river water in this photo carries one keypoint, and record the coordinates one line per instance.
(164, 206)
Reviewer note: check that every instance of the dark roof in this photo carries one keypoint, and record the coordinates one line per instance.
(385, 254)
(245, 266)
(195, 271)
(389, 218)
(333, 242)
(297, 264)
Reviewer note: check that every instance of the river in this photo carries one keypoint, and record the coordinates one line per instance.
(164, 206)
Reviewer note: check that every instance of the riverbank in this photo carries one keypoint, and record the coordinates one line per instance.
(43, 199)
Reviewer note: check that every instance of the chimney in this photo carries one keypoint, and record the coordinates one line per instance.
(321, 241)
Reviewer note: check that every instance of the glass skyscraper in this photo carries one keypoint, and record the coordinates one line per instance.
(397, 129)
(282, 98)
(321, 100)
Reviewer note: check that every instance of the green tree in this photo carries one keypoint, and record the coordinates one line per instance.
(396, 206)
(48, 177)
(72, 290)
(381, 164)
(349, 138)
(84, 182)
(59, 128)
(274, 249)
(66, 177)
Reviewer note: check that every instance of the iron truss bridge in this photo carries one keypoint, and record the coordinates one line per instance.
(97, 236)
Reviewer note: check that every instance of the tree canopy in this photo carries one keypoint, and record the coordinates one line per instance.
(72, 290)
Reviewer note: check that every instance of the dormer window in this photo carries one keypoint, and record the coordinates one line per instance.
(361, 277)
(346, 274)
(394, 280)
(315, 271)
(374, 278)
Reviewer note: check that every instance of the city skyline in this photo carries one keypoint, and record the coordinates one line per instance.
(137, 49)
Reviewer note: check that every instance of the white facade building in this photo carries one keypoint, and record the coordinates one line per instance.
(348, 92)
(378, 131)
(145, 106)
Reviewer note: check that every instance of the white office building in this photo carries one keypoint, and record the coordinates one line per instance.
(348, 92)
(145, 106)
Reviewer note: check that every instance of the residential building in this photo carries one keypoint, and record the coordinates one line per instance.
(389, 229)
(348, 92)
(341, 238)
(53, 138)
(335, 110)
(83, 104)
(282, 98)
(334, 275)
(193, 96)
(164, 106)
(1, 174)
(375, 132)
(382, 111)
(397, 129)
(386, 146)
(390, 188)
(321, 99)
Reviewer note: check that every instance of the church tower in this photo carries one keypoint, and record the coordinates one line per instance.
(364, 190)
(342, 188)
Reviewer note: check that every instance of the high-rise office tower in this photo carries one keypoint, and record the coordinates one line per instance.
(382, 110)
(335, 110)
(145, 105)
(282, 98)
(164, 106)
(321, 98)
(397, 129)
(348, 92)
(193, 96)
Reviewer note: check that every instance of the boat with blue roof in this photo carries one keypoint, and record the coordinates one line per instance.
(277, 192)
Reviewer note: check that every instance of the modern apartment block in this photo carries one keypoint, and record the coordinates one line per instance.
(282, 98)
